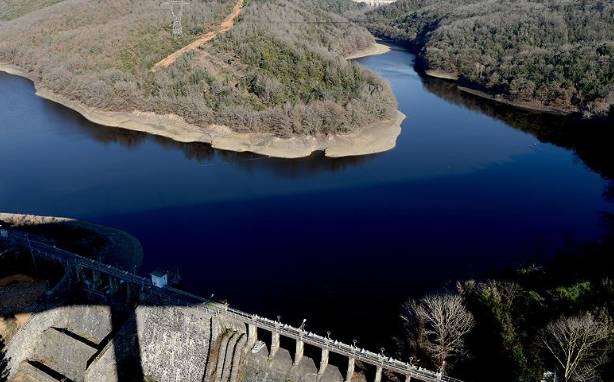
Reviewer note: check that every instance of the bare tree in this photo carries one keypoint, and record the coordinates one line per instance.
(509, 291)
(578, 344)
(443, 322)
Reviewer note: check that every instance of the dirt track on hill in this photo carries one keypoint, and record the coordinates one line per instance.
(225, 26)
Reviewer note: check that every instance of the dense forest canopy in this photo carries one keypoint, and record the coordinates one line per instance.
(272, 72)
(553, 53)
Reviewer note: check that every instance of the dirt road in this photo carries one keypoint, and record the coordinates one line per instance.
(225, 26)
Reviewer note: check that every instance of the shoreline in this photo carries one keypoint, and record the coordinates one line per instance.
(373, 50)
(453, 77)
(528, 106)
(520, 105)
(441, 75)
(375, 138)
(121, 250)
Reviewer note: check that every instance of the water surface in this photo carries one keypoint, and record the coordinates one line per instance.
(469, 190)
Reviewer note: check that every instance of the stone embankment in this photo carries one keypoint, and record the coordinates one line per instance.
(59, 342)
(87, 343)
(173, 343)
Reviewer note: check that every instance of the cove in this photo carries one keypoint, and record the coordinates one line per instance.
(471, 188)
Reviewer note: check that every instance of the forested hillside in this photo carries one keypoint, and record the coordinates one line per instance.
(551, 54)
(11, 9)
(272, 72)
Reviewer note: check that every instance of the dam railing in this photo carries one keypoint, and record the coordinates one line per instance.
(75, 266)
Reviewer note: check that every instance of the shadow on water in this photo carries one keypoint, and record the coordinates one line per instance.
(591, 140)
(73, 282)
(264, 227)
(203, 152)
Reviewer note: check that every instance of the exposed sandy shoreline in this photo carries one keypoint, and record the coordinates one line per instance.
(521, 105)
(12, 69)
(441, 75)
(373, 50)
(497, 98)
(377, 137)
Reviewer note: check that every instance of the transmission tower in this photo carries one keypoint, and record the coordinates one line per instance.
(177, 12)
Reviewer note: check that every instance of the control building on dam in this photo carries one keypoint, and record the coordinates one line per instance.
(100, 323)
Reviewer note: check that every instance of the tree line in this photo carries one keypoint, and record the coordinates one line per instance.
(558, 54)
(275, 71)
(554, 322)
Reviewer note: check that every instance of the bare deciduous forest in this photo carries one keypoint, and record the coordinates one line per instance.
(275, 71)
(558, 54)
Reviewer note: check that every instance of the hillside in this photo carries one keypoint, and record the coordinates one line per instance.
(272, 72)
(550, 55)
(12, 9)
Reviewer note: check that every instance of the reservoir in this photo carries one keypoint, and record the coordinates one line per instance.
(471, 189)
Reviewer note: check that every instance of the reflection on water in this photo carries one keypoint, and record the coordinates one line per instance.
(203, 152)
(471, 187)
(591, 140)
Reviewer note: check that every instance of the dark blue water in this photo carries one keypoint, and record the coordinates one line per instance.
(469, 190)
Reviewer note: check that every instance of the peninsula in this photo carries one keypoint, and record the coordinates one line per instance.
(242, 77)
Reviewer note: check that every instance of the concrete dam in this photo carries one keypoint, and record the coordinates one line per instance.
(101, 323)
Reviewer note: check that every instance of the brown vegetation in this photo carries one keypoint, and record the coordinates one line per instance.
(275, 71)
(225, 26)
(579, 344)
(436, 326)
(551, 55)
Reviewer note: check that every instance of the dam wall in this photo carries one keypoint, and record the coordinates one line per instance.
(173, 344)
(168, 343)
(124, 328)
(51, 331)
(181, 336)
(27, 338)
